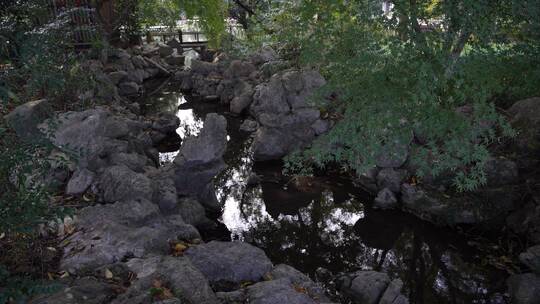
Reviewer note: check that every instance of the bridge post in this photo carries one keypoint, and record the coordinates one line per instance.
(180, 36)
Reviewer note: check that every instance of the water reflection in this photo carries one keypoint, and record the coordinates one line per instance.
(325, 222)
(190, 112)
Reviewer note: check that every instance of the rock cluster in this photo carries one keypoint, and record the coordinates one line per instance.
(142, 226)
(372, 287)
(128, 70)
(279, 102)
(122, 73)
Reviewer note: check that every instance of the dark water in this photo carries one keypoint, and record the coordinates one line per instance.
(325, 222)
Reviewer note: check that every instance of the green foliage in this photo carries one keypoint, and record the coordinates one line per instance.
(163, 12)
(211, 14)
(40, 62)
(36, 61)
(22, 209)
(405, 74)
(23, 204)
(17, 290)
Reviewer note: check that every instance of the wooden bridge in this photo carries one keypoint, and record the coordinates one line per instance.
(192, 38)
(186, 39)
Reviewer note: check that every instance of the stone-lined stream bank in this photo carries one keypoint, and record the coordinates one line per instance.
(184, 200)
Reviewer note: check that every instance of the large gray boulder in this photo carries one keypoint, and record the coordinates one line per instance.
(243, 96)
(391, 179)
(165, 194)
(393, 295)
(487, 207)
(25, 119)
(118, 76)
(264, 55)
(137, 76)
(386, 199)
(94, 135)
(109, 233)
(203, 68)
(128, 88)
(500, 172)
(270, 98)
(277, 292)
(526, 120)
(230, 262)
(177, 273)
(192, 212)
(288, 122)
(524, 288)
(176, 60)
(119, 183)
(364, 287)
(166, 123)
(393, 155)
(238, 69)
(165, 50)
(87, 290)
(300, 280)
(80, 181)
(200, 159)
(526, 220)
(531, 258)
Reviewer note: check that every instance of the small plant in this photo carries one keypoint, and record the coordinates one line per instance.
(17, 290)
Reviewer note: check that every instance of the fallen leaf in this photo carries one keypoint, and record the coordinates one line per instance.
(108, 274)
(300, 289)
(246, 284)
(159, 291)
(179, 248)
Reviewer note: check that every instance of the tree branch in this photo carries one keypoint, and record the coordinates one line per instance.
(244, 7)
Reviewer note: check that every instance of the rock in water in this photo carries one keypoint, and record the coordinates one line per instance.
(531, 258)
(386, 199)
(230, 262)
(393, 155)
(200, 159)
(249, 126)
(391, 179)
(524, 288)
(393, 295)
(300, 280)
(364, 286)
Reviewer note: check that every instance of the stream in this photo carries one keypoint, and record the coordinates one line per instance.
(325, 226)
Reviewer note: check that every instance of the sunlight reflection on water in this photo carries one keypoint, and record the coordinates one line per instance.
(324, 223)
(190, 125)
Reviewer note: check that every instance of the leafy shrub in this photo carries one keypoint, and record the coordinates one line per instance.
(17, 290)
(398, 77)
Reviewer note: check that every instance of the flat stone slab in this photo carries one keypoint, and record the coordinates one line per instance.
(231, 262)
